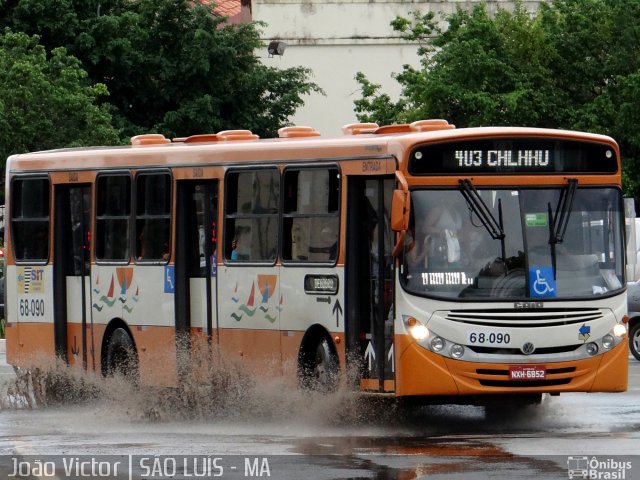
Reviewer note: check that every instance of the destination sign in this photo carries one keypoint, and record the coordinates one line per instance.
(513, 155)
(503, 158)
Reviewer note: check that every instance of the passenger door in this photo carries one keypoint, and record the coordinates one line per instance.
(369, 280)
(72, 288)
(195, 270)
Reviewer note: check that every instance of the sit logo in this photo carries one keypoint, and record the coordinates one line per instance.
(30, 280)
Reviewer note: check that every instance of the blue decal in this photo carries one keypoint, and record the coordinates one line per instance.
(541, 282)
(169, 279)
(584, 333)
(214, 266)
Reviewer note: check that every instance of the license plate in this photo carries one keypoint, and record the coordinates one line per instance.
(527, 372)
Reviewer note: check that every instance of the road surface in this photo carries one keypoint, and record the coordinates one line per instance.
(320, 437)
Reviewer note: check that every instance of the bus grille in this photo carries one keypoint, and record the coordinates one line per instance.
(523, 318)
(517, 351)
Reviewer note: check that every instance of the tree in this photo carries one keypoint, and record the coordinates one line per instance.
(45, 102)
(573, 64)
(170, 66)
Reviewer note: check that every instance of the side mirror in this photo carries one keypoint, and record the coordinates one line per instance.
(400, 208)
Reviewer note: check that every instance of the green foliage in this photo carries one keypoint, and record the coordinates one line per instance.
(374, 107)
(170, 66)
(573, 64)
(46, 102)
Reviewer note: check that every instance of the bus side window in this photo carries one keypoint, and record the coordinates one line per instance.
(311, 222)
(252, 206)
(112, 217)
(153, 216)
(30, 218)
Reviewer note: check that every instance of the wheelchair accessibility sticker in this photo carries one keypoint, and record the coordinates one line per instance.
(541, 282)
(169, 279)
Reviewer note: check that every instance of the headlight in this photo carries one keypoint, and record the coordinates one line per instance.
(456, 350)
(620, 330)
(419, 332)
(437, 344)
(608, 341)
(592, 348)
(416, 329)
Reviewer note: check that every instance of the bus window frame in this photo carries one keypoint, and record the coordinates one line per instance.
(283, 214)
(94, 239)
(134, 216)
(31, 176)
(228, 235)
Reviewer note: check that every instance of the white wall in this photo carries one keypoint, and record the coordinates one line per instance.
(336, 39)
(334, 69)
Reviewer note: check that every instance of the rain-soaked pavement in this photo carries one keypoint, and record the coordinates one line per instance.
(270, 430)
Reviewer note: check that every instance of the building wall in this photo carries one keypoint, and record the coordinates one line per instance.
(337, 39)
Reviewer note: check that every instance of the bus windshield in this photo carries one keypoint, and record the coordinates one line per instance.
(525, 243)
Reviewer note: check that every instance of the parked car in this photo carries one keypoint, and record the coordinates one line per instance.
(633, 304)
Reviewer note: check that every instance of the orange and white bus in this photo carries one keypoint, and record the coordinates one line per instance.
(430, 261)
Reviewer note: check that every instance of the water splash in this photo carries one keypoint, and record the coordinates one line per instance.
(226, 390)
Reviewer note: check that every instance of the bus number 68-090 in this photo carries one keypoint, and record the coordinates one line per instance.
(490, 338)
(31, 307)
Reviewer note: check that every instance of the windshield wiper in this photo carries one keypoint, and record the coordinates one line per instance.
(494, 227)
(558, 223)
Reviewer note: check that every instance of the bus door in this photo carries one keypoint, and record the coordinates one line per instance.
(195, 273)
(369, 280)
(72, 278)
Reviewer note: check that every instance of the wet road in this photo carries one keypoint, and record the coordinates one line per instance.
(334, 437)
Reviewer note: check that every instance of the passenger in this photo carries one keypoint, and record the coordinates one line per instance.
(234, 250)
(240, 244)
(442, 226)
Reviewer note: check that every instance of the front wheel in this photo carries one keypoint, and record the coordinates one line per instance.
(319, 370)
(634, 340)
(122, 358)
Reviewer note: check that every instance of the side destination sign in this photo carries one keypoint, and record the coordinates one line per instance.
(513, 155)
(321, 284)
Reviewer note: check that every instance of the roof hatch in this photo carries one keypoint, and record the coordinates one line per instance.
(297, 132)
(149, 139)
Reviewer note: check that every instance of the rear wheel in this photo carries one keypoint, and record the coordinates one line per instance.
(634, 340)
(122, 358)
(319, 367)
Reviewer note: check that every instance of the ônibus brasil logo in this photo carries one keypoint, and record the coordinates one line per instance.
(595, 468)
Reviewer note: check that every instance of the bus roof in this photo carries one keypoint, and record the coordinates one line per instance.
(294, 144)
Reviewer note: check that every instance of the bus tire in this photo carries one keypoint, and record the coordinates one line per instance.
(634, 339)
(122, 358)
(319, 366)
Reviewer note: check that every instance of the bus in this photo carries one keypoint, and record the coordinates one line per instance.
(418, 261)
